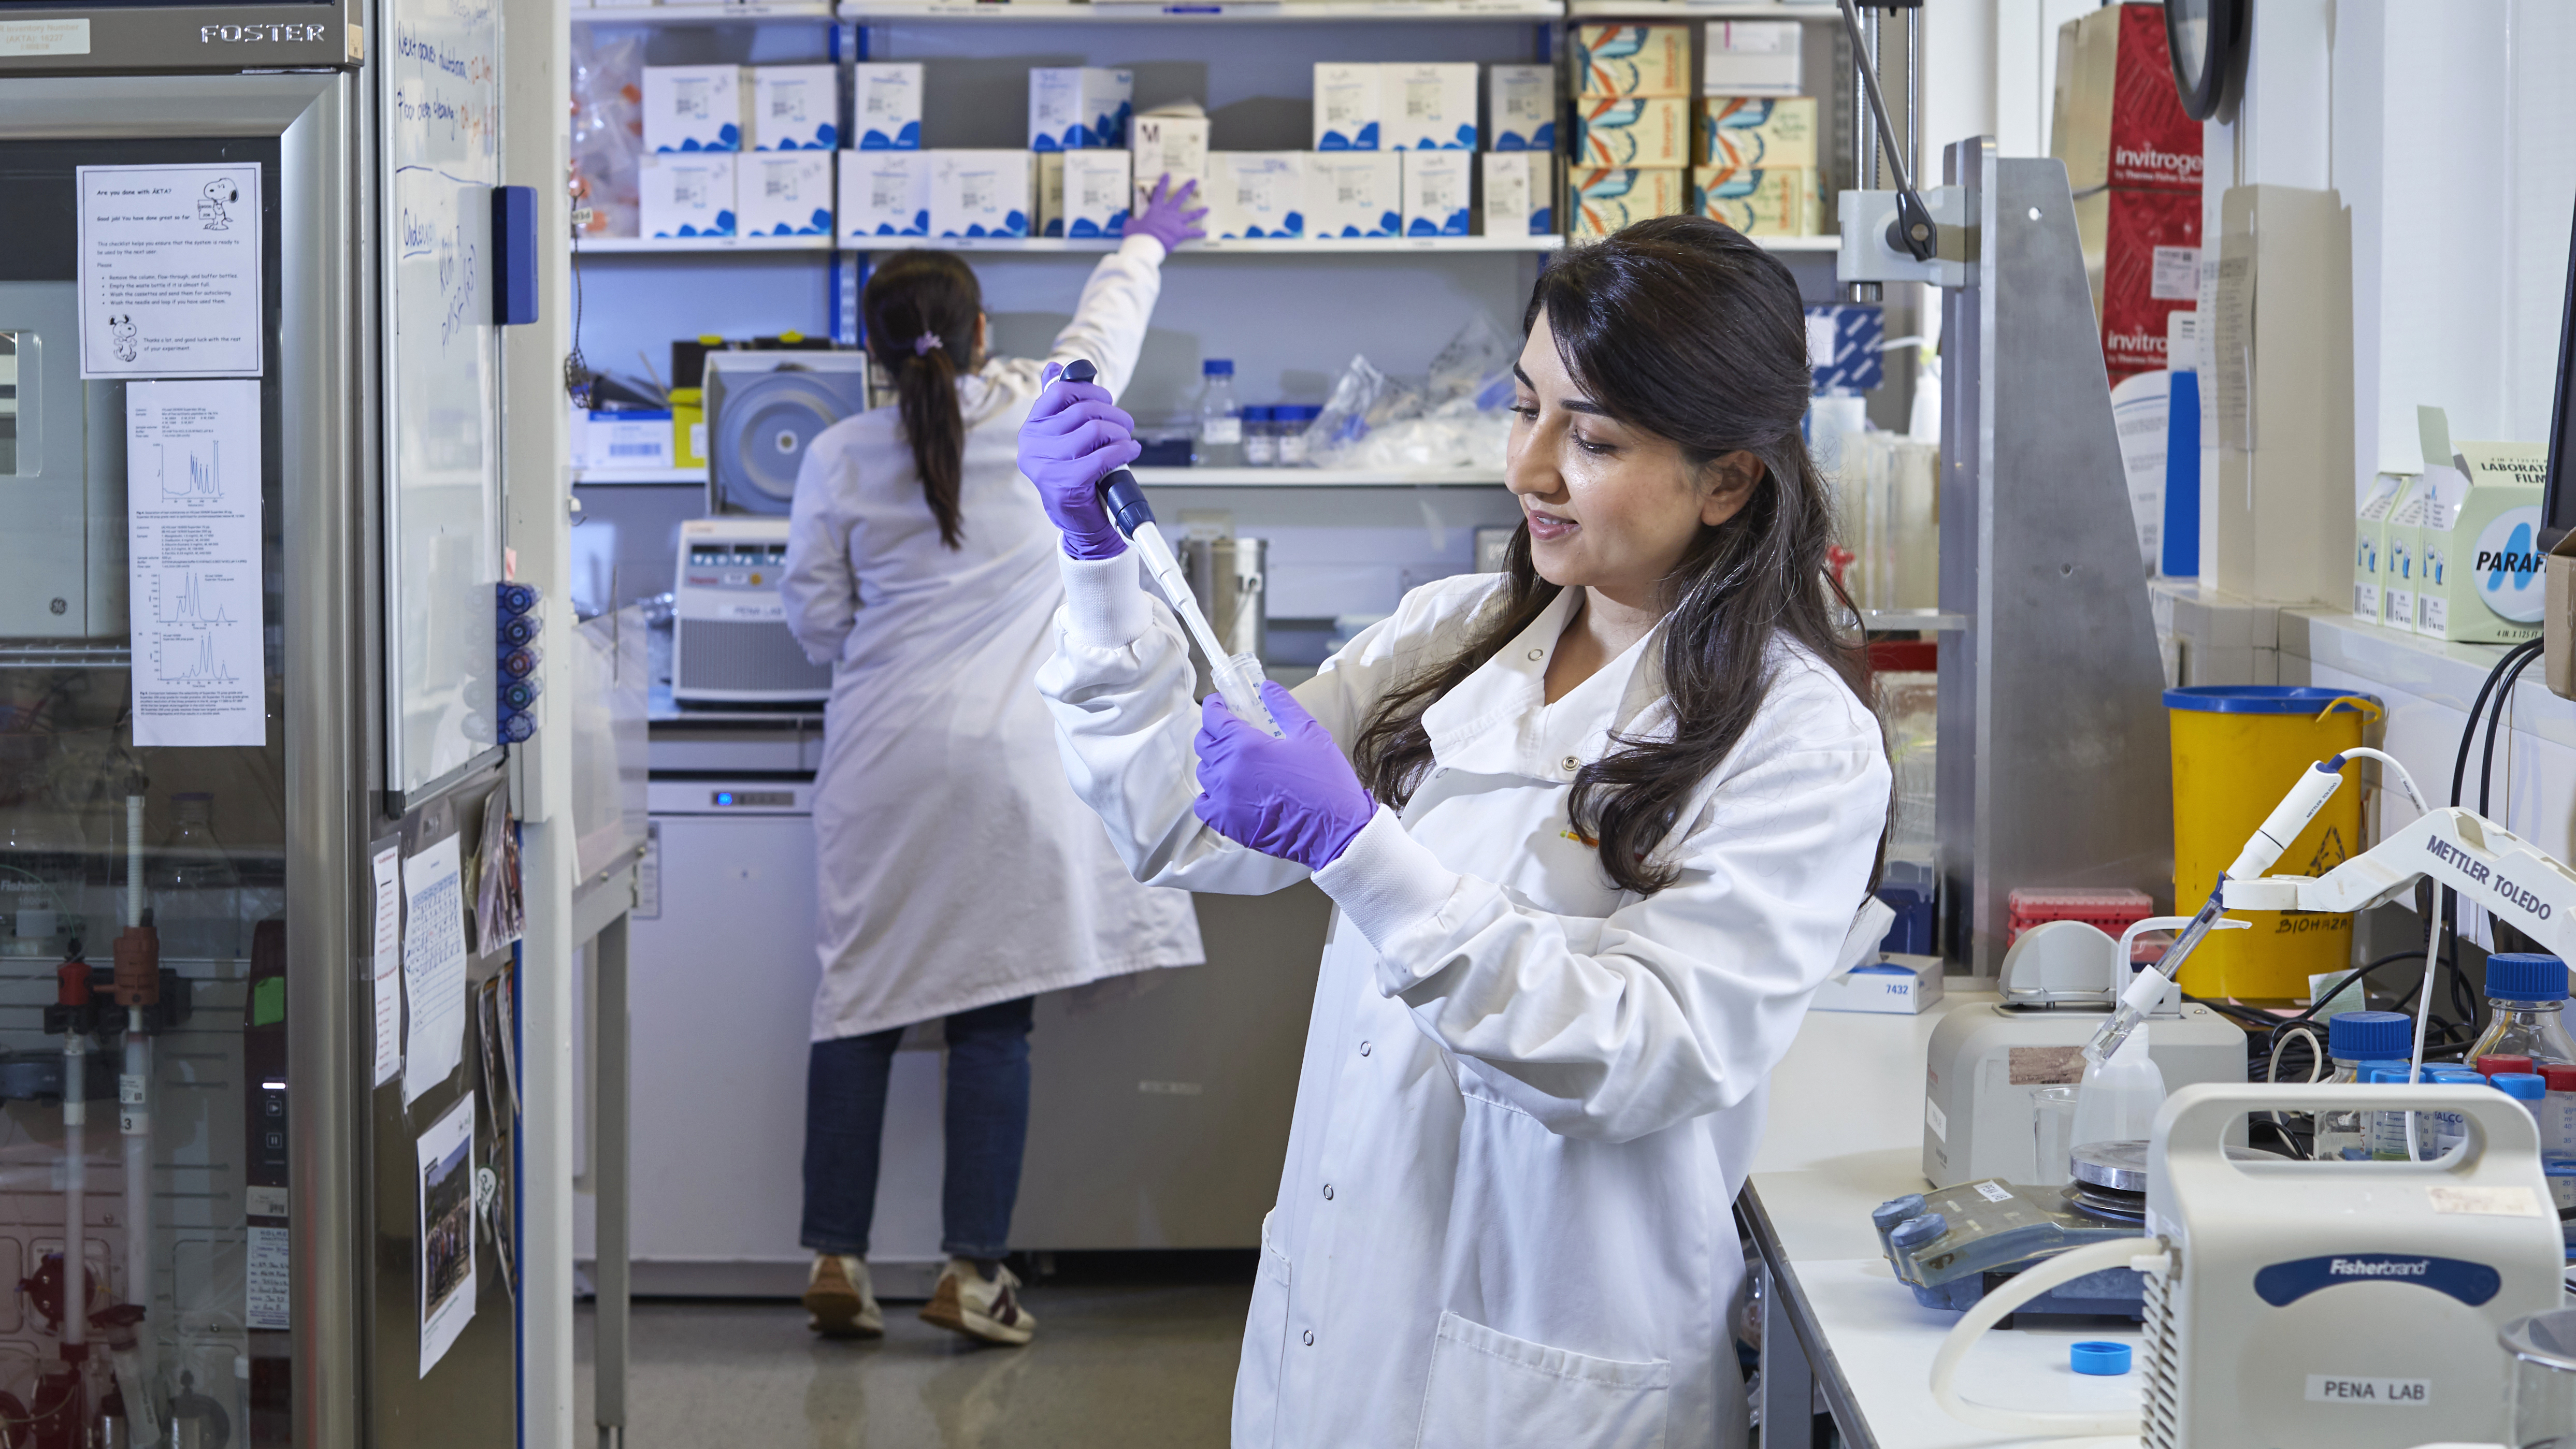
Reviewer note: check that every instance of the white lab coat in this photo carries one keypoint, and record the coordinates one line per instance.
(1528, 1098)
(955, 868)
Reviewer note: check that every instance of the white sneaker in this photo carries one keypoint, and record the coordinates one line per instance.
(969, 1303)
(838, 1301)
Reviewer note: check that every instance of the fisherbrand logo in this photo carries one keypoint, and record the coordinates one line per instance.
(2380, 1267)
(2174, 165)
(2507, 568)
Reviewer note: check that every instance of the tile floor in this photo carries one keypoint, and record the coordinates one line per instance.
(1138, 1365)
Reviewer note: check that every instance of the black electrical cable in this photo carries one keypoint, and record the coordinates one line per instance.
(2495, 718)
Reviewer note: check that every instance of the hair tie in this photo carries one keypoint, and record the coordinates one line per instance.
(923, 345)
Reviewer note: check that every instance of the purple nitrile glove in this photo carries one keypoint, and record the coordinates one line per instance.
(1163, 218)
(1295, 798)
(1074, 437)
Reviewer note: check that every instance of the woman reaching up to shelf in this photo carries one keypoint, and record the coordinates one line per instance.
(958, 874)
(1597, 826)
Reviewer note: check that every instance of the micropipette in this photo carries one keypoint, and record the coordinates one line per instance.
(1238, 676)
(2314, 788)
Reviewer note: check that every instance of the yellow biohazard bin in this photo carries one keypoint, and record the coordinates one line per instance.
(2237, 748)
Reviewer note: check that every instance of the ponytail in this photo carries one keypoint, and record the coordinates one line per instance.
(920, 310)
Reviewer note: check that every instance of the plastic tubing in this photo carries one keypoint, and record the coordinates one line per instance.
(75, 1192)
(1988, 1311)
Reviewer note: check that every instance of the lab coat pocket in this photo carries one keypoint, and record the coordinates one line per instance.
(1490, 1390)
(1265, 1343)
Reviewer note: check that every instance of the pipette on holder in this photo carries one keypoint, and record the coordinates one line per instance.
(1238, 676)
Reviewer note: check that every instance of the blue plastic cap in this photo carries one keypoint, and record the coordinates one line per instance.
(2524, 976)
(1888, 1214)
(1217, 367)
(2522, 1086)
(1914, 1232)
(2105, 1359)
(2369, 1036)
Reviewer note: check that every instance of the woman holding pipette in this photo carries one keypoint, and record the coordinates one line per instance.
(958, 876)
(1598, 826)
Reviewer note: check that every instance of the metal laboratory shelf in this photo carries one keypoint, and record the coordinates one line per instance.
(1198, 11)
(1152, 477)
(655, 245)
(1044, 245)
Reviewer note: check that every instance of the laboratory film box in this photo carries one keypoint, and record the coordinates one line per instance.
(1765, 132)
(685, 195)
(1427, 107)
(1520, 193)
(1073, 108)
(696, 108)
(1520, 107)
(1174, 146)
(1631, 60)
(2482, 580)
(784, 193)
(885, 105)
(1083, 193)
(795, 107)
(1356, 194)
(1257, 193)
(1606, 199)
(979, 193)
(2370, 543)
(1757, 202)
(2118, 120)
(2142, 256)
(1632, 131)
(1892, 985)
(1751, 58)
(884, 193)
(2401, 555)
(1348, 102)
(1437, 185)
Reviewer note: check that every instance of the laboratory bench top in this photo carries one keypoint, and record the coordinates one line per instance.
(1844, 1133)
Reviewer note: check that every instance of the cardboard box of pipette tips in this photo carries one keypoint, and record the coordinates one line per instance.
(1893, 985)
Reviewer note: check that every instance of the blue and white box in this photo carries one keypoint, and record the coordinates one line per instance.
(979, 193)
(1355, 194)
(685, 195)
(696, 108)
(884, 193)
(1349, 97)
(1083, 193)
(1436, 189)
(795, 108)
(1892, 985)
(1257, 193)
(1073, 108)
(784, 193)
(1427, 107)
(1520, 107)
(1520, 192)
(885, 105)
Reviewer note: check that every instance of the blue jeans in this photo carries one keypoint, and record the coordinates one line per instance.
(987, 1110)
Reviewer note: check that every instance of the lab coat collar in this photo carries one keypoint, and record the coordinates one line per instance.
(1497, 720)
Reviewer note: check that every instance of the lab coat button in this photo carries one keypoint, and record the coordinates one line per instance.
(1571, 764)
(1310, 1338)
(1364, 1048)
(1538, 654)
(1328, 1192)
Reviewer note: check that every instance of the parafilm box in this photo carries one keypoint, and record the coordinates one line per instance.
(1758, 203)
(1605, 200)
(2488, 587)
(1632, 131)
(1763, 132)
(2370, 543)
(1632, 60)
(2401, 556)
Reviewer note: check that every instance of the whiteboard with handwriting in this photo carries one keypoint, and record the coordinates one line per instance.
(442, 361)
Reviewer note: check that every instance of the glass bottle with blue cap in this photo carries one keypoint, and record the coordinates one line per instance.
(2353, 1040)
(2527, 993)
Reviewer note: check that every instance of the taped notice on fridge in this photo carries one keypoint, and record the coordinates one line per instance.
(267, 1306)
(447, 1288)
(170, 270)
(192, 471)
(433, 967)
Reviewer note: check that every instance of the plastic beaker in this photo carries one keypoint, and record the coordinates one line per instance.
(2543, 1349)
(2053, 1130)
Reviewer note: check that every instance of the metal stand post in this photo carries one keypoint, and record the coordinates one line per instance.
(609, 1177)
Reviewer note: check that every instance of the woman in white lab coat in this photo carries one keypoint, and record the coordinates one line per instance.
(958, 876)
(1596, 827)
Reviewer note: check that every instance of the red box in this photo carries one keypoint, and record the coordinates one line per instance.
(2110, 910)
(2142, 256)
(2118, 120)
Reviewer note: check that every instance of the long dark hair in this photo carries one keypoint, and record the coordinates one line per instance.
(1682, 328)
(920, 308)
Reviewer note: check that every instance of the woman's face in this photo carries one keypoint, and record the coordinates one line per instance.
(1610, 507)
